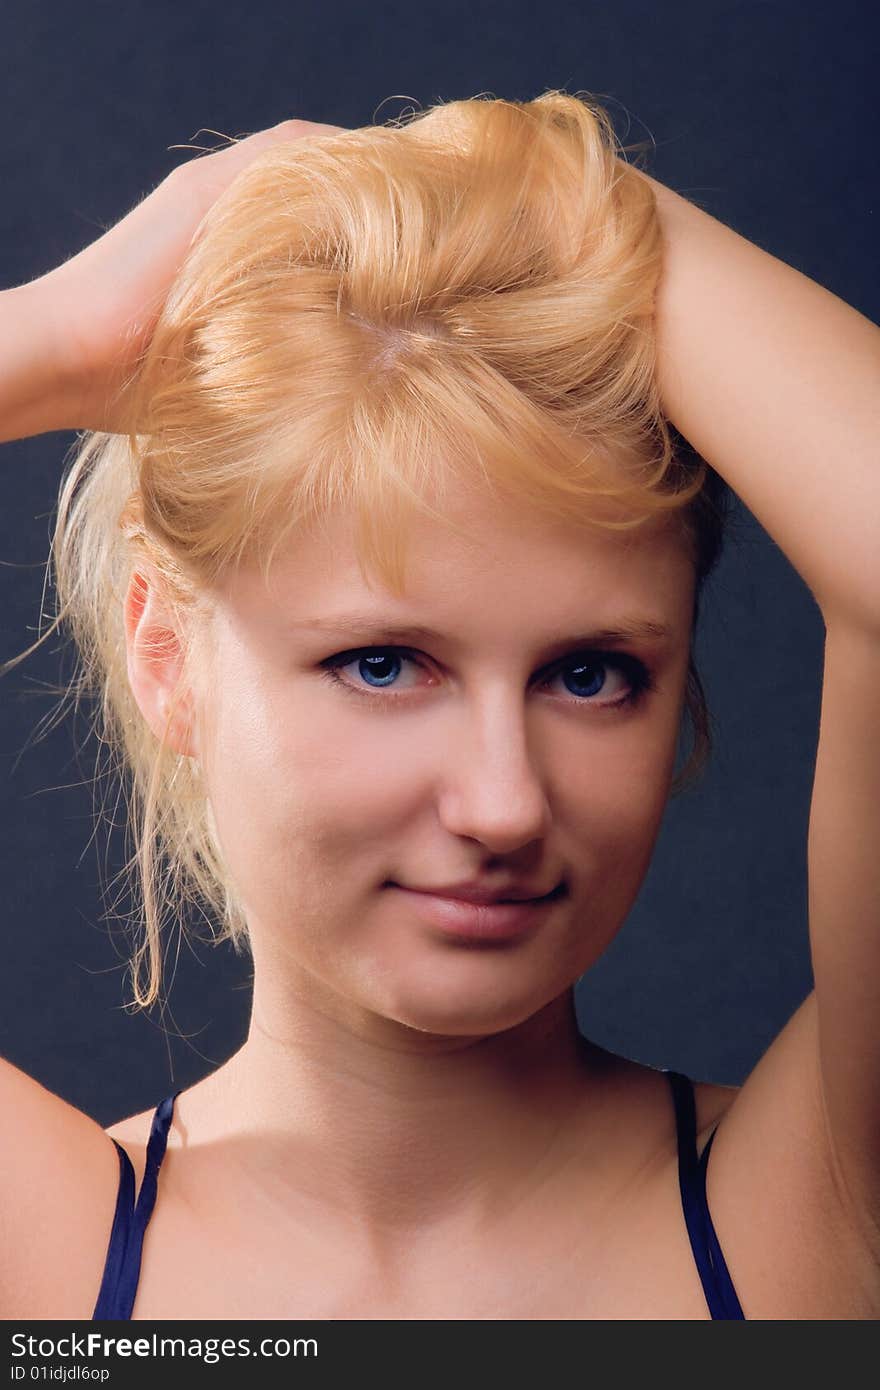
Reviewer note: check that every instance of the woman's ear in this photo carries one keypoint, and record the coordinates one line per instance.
(155, 660)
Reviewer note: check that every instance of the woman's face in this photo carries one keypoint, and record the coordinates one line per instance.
(348, 764)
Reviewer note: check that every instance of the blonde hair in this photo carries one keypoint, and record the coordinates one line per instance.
(365, 320)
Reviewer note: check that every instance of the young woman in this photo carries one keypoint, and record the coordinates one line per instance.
(382, 549)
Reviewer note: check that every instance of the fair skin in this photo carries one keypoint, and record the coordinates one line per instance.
(409, 1089)
(319, 1211)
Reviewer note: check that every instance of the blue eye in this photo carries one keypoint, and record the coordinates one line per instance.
(584, 674)
(375, 670)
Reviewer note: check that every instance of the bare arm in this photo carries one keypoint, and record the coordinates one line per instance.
(35, 397)
(776, 382)
(69, 340)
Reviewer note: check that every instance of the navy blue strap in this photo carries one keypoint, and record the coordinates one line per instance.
(727, 1299)
(714, 1275)
(122, 1267)
(119, 1237)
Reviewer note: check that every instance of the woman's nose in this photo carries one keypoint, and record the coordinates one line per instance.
(491, 788)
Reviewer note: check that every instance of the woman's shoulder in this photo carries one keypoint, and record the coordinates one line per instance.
(645, 1091)
(59, 1178)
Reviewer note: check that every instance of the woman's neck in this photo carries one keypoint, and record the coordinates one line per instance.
(401, 1135)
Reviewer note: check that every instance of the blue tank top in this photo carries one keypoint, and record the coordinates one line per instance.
(123, 1264)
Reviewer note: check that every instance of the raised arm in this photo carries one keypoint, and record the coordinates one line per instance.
(70, 339)
(776, 382)
(34, 396)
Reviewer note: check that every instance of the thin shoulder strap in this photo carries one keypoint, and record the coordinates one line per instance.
(712, 1268)
(123, 1264)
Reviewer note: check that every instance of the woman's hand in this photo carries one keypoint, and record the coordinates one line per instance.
(101, 306)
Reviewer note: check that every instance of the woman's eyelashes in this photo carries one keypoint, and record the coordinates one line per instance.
(583, 674)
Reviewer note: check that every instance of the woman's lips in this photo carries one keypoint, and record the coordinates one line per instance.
(481, 922)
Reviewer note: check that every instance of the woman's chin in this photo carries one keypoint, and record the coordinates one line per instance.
(454, 1015)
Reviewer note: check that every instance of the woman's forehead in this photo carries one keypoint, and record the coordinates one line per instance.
(500, 560)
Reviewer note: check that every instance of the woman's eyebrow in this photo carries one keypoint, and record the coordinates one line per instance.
(622, 630)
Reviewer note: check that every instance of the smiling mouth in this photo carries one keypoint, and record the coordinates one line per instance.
(503, 921)
(480, 899)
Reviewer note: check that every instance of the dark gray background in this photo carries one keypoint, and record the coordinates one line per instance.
(763, 113)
